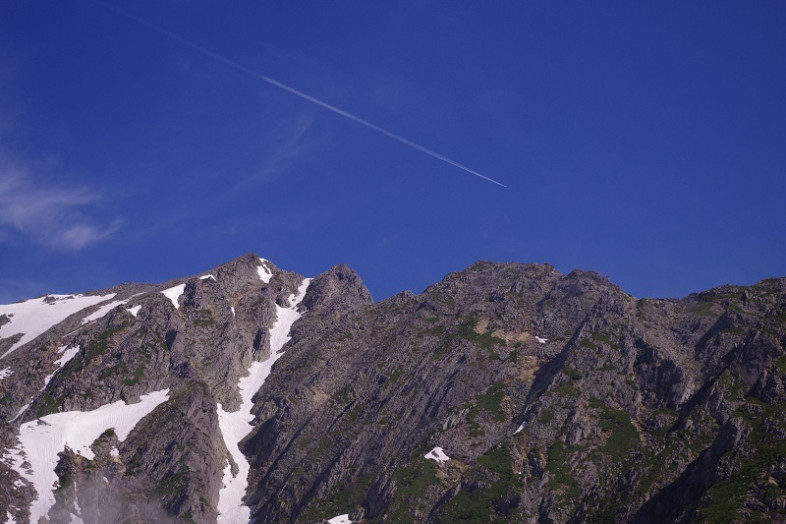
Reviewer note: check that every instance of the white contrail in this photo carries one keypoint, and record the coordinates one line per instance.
(298, 93)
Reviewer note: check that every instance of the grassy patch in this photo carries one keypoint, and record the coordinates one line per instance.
(561, 473)
(601, 337)
(96, 349)
(412, 485)
(396, 374)
(586, 343)
(479, 505)
(491, 401)
(702, 309)
(571, 373)
(466, 331)
(624, 434)
(48, 404)
(343, 396)
(566, 389)
(349, 496)
(139, 372)
(729, 495)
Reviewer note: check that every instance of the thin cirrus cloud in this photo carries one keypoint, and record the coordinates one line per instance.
(50, 215)
(280, 157)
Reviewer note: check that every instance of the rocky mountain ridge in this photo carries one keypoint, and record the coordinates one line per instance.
(506, 392)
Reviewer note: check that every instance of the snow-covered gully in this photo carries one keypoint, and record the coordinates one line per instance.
(41, 440)
(237, 424)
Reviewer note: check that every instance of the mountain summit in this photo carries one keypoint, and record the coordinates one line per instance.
(505, 392)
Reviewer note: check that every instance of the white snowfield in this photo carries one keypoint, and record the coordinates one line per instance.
(34, 317)
(102, 311)
(341, 519)
(6, 372)
(173, 294)
(41, 440)
(264, 272)
(134, 310)
(236, 425)
(437, 454)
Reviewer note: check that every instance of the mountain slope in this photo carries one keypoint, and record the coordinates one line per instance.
(544, 397)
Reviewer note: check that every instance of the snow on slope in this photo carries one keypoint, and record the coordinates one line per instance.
(19, 413)
(341, 519)
(34, 317)
(173, 293)
(134, 310)
(68, 354)
(102, 311)
(437, 454)
(236, 425)
(264, 272)
(41, 440)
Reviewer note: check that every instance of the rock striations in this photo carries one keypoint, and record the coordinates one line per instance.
(506, 392)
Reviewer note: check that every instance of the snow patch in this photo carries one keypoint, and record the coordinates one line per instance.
(542, 340)
(33, 317)
(75, 517)
(9, 519)
(521, 426)
(264, 272)
(437, 454)
(233, 310)
(205, 277)
(68, 354)
(5, 373)
(341, 519)
(102, 311)
(19, 413)
(236, 425)
(41, 440)
(174, 293)
(134, 310)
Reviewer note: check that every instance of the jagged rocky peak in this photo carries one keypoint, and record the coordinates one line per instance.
(339, 288)
(504, 393)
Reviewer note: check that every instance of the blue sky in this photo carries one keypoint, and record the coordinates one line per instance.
(646, 141)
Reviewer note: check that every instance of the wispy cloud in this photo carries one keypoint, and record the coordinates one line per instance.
(285, 154)
(290, 145)
(51, 214)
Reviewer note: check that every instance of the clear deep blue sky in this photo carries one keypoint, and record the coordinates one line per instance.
(642, 140)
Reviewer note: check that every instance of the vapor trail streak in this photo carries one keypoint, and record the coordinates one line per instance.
(298, 93)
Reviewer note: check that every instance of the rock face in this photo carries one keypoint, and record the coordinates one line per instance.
(557, 398)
